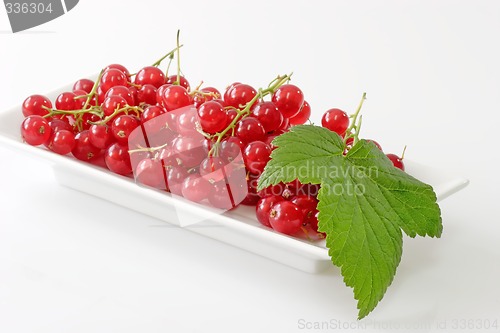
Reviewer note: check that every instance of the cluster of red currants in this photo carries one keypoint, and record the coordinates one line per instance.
(198, 143)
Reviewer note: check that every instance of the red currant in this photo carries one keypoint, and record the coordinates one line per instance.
(212, 116)
(268, 115)
(84, 85)
(117, 159)
(250, 129)
(288, 99)
(196, 188)
(264, 206)
(33, 105)
(172, 79)
(150, 75)
(303, 116)
(396, 161)
(256, 155)
(35, 130)
(240, 95)
(286, 217)
(175, 97)
(62, 142)
(112, 77)
(336, 121)
(83, 149)
(122, 126)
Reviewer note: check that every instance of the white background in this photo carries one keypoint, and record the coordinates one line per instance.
(70, 262)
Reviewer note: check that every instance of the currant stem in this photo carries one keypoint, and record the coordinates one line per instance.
(94, 90)
(355, 124)
(403, 154)
(169, 54)
(178, 81)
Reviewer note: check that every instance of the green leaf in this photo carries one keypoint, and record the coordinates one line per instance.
(364, 203)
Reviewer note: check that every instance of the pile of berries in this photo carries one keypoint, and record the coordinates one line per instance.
(207, 146)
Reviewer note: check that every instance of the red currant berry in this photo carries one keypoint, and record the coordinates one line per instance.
(33, 105)
(221, 196)
(396, 161)
(172, 79)
(240, 95)
(305, 202)
(268, 115)
(121, 91)
(175, 97)
(151, 112)
(121, 68)
(196, 188)
(83, 149)
(303, 116)
(112, 77)
(175, 178)
(336, 121)
(286, 217)
(150, 172)
(66, 101)
(112, 103)
(230, 148)
(250, 129)
(256, 155)
(122, 126)
(212, 116)
(227, 92)
(150, 75)
(288, 99)
(62, 142)
(100, 136)
(35, 130)
(264, 206)
(206, 94)
(117, 159)
(147, 94)
(84, 85)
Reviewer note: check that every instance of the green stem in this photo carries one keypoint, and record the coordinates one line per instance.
(355, 125)
(169, 54)
(178, 81)
(94, 90)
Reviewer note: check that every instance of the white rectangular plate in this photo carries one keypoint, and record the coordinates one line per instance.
(237, 227)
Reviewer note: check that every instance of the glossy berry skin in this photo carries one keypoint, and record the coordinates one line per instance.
(196, 188)
(240, 95)
(264, 206)
(33, 105)
(62, 142)
(307, 203)
(250, 129)
(175, 179)
(230, 148)
(100, 136)
(123, 92)
(207, 94)
(122, 126)
(84, 85)
(268, 115)
(303, 116)
(150, 75)
(213, 117)
(147, 94)
(150, 172)
(288, 99)
(256, 155)
(83, 149)
(120, 67)
(151, 112)
(117, 159)
(112, 103)
(336, 121)
(213, 169)
(220, 196)
(66, 101)
(175, 97)
(112, 77)
(286, 217)
(35, 130)
(396, 161)
(172, 79)
(375, 143)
